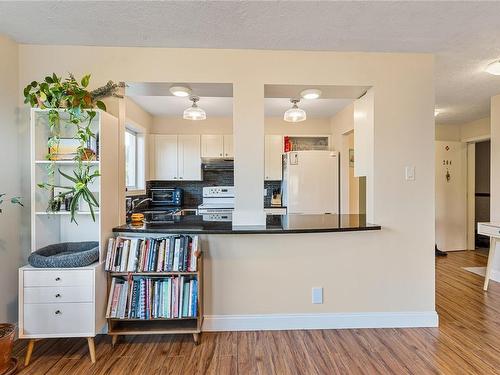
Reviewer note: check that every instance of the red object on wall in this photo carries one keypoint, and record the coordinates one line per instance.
(287, 144)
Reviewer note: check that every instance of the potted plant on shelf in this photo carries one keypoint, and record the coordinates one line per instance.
(72, 97)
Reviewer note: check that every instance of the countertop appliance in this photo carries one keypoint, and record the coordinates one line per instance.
(217, 200)
(310, 182)
(167, 196)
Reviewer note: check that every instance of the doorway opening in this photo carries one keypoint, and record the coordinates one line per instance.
(481, 192)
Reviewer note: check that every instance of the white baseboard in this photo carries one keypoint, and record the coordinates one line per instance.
(319, 321)
(495, 275)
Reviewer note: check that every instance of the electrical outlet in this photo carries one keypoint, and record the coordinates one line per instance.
(317, 295)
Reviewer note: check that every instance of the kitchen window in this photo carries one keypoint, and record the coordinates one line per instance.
(131, 160)
(134, 161)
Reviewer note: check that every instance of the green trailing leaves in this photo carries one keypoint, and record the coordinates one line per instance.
(72, 97)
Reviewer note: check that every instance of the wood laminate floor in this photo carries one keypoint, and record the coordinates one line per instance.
(467, 342)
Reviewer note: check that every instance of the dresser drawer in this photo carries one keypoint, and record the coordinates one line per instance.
(488, 230)
(58, 294)
(58, 278)
(58, 319)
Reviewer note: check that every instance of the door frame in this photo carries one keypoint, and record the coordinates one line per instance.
(471, 188)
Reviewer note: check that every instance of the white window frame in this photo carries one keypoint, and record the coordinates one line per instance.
(140, 160)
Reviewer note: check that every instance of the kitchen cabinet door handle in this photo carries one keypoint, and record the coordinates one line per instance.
(58, 295)
(220, 154)
(58, 312)
(58, 279)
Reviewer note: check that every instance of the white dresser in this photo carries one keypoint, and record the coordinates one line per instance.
(491, 230)
(55, 302)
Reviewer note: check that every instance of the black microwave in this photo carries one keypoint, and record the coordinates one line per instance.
(167, 196)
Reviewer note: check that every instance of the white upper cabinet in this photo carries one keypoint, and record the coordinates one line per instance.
(228, 146)
(176, 157)
(272, 157)
(189, 158)
(165, 157)
(212, 146)
(217, 146)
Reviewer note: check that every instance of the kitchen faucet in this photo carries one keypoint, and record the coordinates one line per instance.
(134, 204)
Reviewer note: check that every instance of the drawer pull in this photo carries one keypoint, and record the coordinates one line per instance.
(58, 312)
(58, 279)
(58, 295)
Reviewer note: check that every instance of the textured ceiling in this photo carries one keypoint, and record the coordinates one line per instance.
(463, 35)
(172, 106)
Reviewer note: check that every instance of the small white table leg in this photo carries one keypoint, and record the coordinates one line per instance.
(491, 256)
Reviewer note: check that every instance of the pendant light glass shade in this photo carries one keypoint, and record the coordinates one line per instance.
(295, 114)
(194, 112)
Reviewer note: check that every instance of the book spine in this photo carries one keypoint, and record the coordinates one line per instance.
(195, 299)
(116, 299)
(110, 297)
(109, 253)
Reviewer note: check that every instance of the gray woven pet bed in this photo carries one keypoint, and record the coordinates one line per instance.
(65, 255)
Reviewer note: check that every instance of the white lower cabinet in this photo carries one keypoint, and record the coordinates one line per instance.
(61, 303)
(58, 319)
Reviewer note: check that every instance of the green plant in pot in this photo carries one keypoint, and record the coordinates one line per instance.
(72, 97)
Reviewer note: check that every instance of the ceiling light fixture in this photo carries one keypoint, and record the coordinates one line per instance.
(493, 68)
(295, 114)
(310, 94)
(194, 112)
(181, 91)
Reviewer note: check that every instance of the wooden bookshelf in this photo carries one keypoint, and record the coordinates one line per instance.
(160, 326)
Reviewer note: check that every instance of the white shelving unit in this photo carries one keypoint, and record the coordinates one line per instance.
(57, 302)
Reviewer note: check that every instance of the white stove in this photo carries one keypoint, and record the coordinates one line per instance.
(217, 200)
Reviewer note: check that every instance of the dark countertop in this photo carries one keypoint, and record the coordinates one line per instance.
(194, 224)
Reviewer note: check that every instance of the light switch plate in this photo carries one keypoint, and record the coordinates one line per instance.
(317, 295)
(410, 173)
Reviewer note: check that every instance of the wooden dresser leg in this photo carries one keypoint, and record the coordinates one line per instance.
(29, 352)
(196, 338)
(491, 255)
(114, 339)
(90, 341)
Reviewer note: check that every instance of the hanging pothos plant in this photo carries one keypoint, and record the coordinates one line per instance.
(73, 98)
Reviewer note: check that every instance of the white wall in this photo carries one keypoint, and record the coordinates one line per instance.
(388, 271)
(467, 132)
(364, 139)
(447, 132)
(340, 125)
(495, 176)
(12, 236)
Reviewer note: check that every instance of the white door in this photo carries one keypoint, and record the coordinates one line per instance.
(165, 155)
(212, 146)
(273, 153)
(451, 196)
(228, 146)
(189, 158)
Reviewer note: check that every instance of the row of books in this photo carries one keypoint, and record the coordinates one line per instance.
(153, 298)
(167, 254)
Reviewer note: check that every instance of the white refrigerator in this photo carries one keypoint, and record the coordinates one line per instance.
(310, 182)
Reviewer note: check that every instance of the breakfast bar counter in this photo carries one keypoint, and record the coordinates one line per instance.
(275, 224)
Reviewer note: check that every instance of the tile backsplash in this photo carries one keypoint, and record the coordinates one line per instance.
(193, 190)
